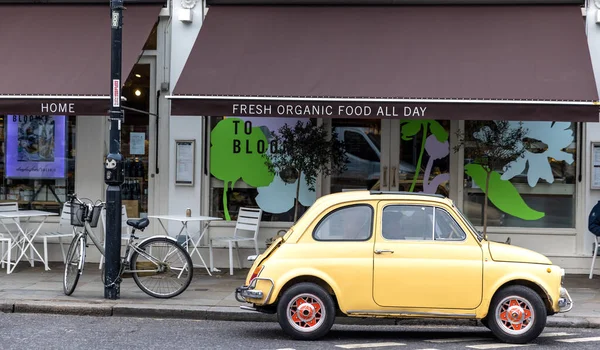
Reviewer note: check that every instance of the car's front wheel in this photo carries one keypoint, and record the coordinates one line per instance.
(306, 311)
(517, 315)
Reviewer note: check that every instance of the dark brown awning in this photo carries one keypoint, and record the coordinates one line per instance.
(447, 62)
(56, 58)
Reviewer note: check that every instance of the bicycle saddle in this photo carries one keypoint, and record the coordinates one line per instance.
(140, 224)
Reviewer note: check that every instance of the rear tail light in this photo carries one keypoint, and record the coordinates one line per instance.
(255, 273)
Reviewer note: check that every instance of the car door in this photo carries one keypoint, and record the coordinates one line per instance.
(424, 259)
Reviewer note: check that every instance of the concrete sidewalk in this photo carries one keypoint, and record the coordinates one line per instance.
(33, 290)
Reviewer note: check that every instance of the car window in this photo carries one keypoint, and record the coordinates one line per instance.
(407, 222)
(352, 223)
(446, 228)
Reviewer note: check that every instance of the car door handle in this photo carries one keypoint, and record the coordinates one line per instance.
(381, 251)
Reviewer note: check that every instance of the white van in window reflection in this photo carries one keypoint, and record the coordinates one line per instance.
(364, 151)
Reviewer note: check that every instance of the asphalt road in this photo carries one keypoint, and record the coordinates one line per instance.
(35, 331)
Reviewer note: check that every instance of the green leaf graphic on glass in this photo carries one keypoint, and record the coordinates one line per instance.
(409, 128)
(236, 155)
(503, 194)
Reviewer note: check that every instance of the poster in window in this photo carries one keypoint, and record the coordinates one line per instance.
(184, 157)
(35, 146)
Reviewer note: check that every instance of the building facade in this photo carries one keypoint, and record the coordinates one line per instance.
(229, 73)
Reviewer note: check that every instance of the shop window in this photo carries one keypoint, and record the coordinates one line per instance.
(357, 146)
(362, 139)
(353, 223)
(535, 190)
(135, 135)
(38, 160)
(239, 175)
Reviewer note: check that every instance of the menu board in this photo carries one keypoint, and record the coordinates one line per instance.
(184, 169)
(595, 166)
(36, 146)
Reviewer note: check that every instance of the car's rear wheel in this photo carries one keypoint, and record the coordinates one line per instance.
(517, 315)
(306, 311)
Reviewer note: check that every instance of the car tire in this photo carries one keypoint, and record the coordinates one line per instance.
(306, 311)
(517, 315)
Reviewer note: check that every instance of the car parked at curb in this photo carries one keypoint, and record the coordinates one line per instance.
(400, 255)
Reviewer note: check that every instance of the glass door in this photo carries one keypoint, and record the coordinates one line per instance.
(419, 155)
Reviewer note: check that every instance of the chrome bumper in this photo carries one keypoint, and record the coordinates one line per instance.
(245, 292)
(565, 303)
(249, 292)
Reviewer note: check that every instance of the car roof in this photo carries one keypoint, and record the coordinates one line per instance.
(383, 195)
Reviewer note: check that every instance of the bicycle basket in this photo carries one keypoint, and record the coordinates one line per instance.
(78, 214)
(95, 215)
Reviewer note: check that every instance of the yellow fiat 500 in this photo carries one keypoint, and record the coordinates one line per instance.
(399, 255)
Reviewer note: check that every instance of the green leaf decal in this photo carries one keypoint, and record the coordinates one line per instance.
(235, 156)
(438, 131)
(410, 129)
(503, 194)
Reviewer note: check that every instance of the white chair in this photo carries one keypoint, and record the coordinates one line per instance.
(125, 229)
(10, 235)
(596, 250)
(65, 230)
(248, 220)
(5, 249)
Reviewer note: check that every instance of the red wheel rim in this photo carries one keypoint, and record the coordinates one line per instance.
(306, 312)
(515, 315)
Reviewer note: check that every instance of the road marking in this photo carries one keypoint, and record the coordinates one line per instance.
(496, 346)
(455, 340)
(579, 340)
(368, 345)
(557, 334)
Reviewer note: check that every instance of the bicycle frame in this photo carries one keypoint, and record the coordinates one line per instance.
(130, 248)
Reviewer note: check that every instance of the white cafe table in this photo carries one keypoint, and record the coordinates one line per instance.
(190, 238)
(26, 231)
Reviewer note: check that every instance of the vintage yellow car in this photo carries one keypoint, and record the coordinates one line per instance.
(400, 255)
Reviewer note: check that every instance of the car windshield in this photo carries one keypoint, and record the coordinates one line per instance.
(477, 233)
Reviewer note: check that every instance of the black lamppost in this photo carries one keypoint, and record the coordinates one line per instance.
(113, 174)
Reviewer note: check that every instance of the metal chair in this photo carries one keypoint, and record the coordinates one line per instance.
(248, 220)
(125, 229)
(65, 230)
(596, 250)
(8, 238)
(5, 250)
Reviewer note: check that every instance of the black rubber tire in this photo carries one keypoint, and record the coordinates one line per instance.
(321, 297)
(73, 267)
(528, 299)
(485, 323)
(181, 284)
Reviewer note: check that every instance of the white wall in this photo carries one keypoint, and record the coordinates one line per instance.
(593, 129)
(183, 197)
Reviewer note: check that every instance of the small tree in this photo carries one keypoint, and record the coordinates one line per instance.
(492, 145)
(306, 149)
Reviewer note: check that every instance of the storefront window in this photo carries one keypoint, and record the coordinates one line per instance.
(239, 175)
(424, 162)
(362, 139)
(38, 160)
(135, 133)
(535, 190)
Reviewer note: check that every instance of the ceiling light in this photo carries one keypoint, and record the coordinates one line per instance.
(137, 92)
(137, 75)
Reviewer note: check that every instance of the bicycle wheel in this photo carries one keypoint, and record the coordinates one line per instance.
(163, 270)
(74, 265)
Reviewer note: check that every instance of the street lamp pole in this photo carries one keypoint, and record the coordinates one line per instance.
(113, 166)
